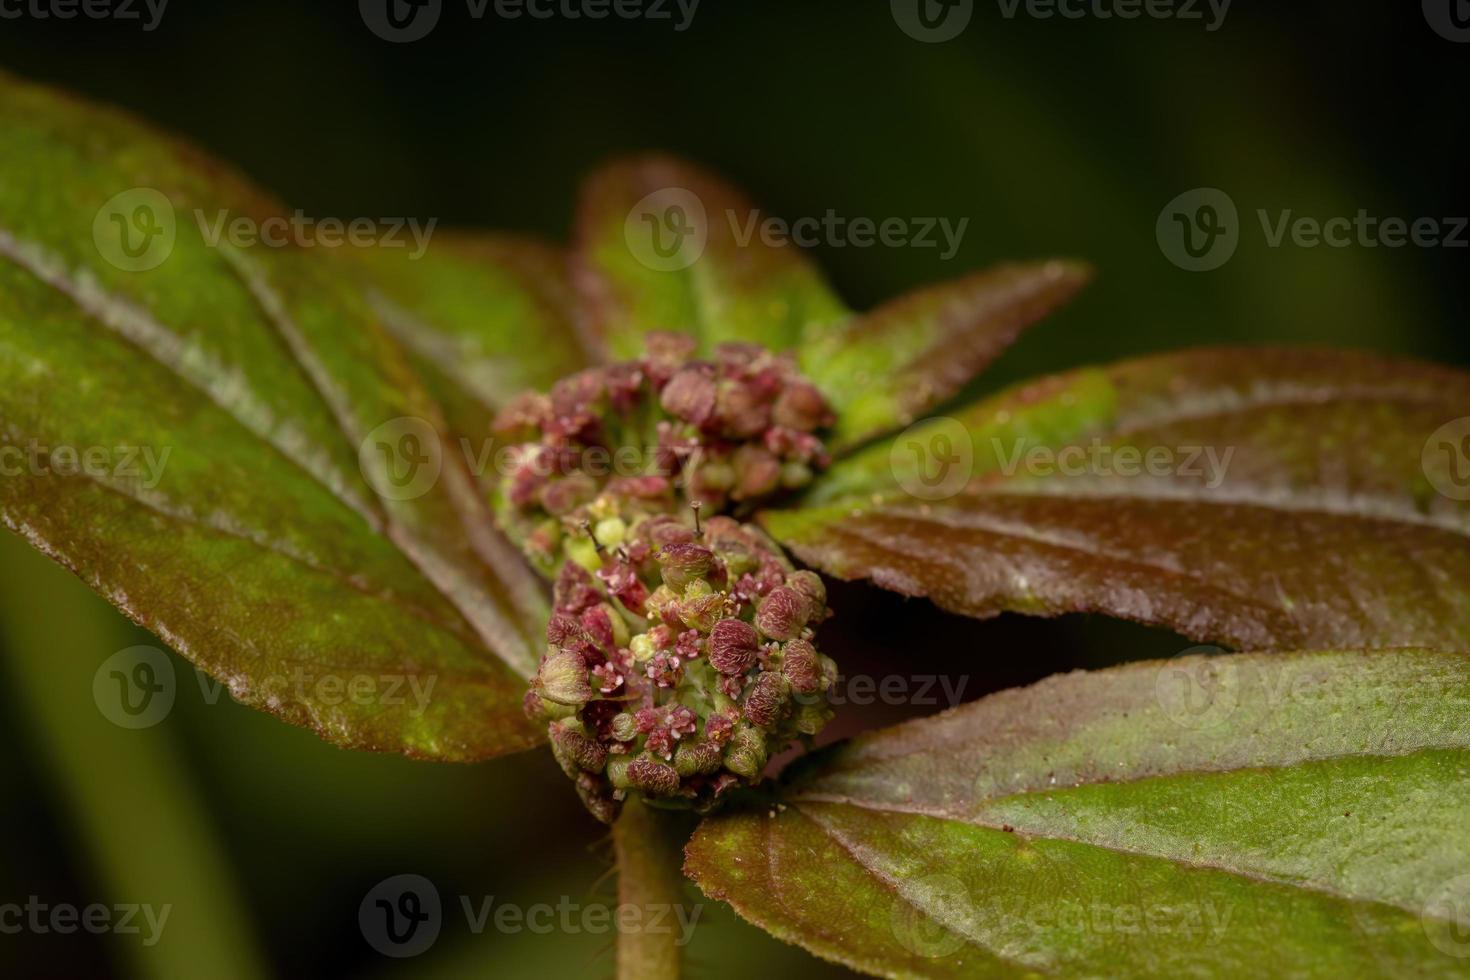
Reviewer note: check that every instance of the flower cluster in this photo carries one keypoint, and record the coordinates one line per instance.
(679, 654)
(721, 675)
(610, 445)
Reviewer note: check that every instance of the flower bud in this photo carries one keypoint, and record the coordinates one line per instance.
(690, 395)
(810, 585)
(733, 646)
(563, 678)
(624, 727)
(802, 666)
(697, 758)
(653, 777)
(782, 614)
(745, 756)
(801, 406)
(741, 411)
(597, 799)
(757, 472)
(683, 563)
(702, 611)
(573, 749)
(765, 700)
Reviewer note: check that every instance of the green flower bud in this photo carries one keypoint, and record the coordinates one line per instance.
(610, 532)
(624, 728)
(642, 647)
(563, 678)
(745, 756)
(617, 771)
(699, 758)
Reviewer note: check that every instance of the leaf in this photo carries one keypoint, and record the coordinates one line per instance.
(882, 370)
(1300, 813)
(487, 317)
(260, 380)
(662, 245)
(1292, 502)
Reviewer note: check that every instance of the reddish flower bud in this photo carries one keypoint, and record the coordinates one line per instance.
(801, 665)
(757, 472)
(653, 777)
(765, 700)
(683, 563)
(781, 615)
(690, 395)
(573, 749)
(810, 585)
(733, 646)
(598, 799)
(665, 352)
(801, 406)
(741, 412)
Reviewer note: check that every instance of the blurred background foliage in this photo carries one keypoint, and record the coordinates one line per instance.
(1052, 137)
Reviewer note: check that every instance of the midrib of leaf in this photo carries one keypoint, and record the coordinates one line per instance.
(142, 331)
(1013, 823)
(499, 635)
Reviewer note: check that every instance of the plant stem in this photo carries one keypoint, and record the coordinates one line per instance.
(649, 847)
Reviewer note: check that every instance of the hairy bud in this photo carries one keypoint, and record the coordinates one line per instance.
(782, 614)
(733, 646)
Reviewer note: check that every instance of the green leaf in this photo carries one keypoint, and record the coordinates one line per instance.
(1296, 500)
(882, 370)
(662, 245)
(1299, 813)
(260, 380)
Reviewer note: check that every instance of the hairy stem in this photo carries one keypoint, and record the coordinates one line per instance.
(649, 845)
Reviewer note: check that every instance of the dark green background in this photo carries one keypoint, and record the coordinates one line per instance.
(1053, 137)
